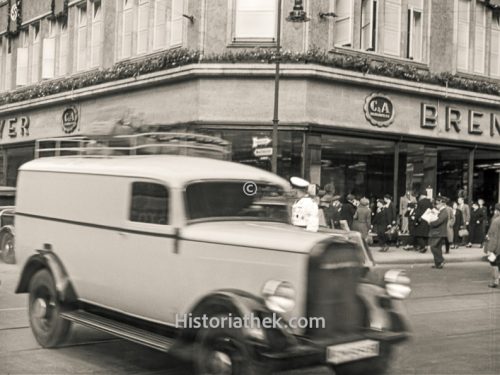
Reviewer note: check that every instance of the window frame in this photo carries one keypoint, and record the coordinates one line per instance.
(234, 40)
(168, 203)
(410, 34)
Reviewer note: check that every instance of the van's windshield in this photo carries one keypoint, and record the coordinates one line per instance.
(229, 200)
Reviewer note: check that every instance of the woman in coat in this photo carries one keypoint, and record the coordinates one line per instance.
(380, 223)
(362, 218)
(493, 247)
(459, 223)
(476, 225)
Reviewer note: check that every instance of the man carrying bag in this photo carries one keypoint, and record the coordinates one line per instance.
(438, 232)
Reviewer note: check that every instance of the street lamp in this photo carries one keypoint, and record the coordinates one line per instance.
(296, 15)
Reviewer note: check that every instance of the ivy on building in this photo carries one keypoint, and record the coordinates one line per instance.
(180, 57)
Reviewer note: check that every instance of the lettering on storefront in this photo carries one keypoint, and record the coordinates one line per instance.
(16, 126)
(379, 110)
(476, 121)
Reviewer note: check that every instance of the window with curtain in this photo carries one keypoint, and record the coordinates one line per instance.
(62, 55)
(35, 52)
(255, 20)
(49, 51)
(22, 67)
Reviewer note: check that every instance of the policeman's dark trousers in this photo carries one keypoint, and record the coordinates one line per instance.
(436, 244)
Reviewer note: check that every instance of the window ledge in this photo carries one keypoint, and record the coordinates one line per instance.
(142, 56)
(379, 57)
(252, 43)
(478, 76)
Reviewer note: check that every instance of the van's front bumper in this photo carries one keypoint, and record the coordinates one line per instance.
(309, 352)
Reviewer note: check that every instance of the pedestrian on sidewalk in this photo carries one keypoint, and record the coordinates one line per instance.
(410, 214)
(379, 224)
(477, 224)
(465, 209)
(421, 226)
(449, 227)
(493, 247)
(363, 218)
(457, 225)
(438, 232)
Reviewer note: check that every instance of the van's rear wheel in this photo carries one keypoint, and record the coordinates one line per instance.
(223, 351)
(7, 248)
(44, 311)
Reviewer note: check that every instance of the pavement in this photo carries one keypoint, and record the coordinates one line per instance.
(396, 255)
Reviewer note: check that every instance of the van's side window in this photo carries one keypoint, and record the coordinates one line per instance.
(149, 203)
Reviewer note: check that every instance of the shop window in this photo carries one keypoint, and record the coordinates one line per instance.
(363, 167)
(480, 38)
(415, 40)
(149, 203)
(369, 22)
(486, 181)
(97, 34)
(392, 27)
(342, 34)
(49, 51)
(81, 50)
(16, 156)
(463, 34)
(255, 20)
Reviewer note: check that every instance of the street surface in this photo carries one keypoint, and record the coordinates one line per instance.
(455, 321)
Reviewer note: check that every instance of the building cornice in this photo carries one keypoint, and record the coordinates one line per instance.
(249, 70)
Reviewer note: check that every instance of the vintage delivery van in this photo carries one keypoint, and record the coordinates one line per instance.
(173, 251)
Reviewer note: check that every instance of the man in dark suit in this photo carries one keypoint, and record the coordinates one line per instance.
(438, 232)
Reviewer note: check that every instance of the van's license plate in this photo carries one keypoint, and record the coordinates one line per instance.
(352, 351)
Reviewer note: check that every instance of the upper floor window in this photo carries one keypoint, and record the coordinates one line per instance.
(149, 203)
(97, 34)
(414, 44)
(369, 22)
(463, 16)
(480, 38)
(81, 49)
(344, 9)
(255, 20)
(495, 46)
(22, 67)
(149, 25)
(392, 27)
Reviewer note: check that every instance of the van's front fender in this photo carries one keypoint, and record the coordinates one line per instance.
(46, 259)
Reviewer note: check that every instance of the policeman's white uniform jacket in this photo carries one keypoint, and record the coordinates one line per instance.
(305, 213)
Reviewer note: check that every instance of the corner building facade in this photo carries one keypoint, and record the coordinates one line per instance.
(421, 113)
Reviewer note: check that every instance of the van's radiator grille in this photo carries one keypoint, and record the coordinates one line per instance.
(333, 277)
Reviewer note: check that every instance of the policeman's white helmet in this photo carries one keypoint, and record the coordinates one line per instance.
(299, 182)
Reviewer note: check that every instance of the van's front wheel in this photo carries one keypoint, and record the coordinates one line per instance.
(223, 351)
(7, 248)
(48, 327)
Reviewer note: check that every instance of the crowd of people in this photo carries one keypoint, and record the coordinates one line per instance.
(426, 223)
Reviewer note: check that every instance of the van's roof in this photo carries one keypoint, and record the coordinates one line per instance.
(176, 170)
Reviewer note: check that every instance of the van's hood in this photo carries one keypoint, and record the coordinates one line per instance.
(268, 235)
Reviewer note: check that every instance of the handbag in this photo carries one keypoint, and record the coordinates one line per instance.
(463, 232)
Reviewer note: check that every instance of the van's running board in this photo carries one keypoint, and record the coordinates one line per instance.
(122, 330)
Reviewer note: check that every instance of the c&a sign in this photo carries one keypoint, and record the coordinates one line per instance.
(379, 110)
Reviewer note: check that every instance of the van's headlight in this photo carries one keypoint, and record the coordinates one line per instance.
(397, 284)
(279, 296)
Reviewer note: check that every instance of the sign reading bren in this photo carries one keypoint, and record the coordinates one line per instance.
(379, 110)
(70, 119)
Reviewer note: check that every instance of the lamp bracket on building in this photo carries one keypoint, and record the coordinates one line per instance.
(190, 18)
(298, 14)
(323, 15)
